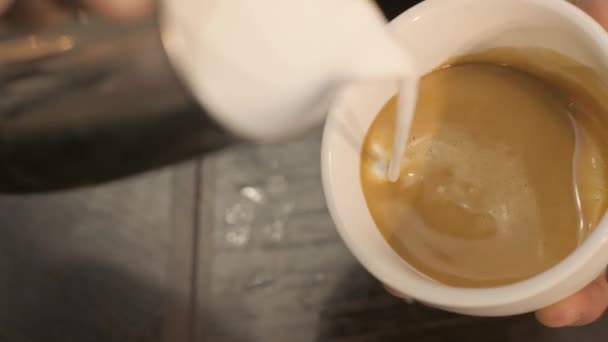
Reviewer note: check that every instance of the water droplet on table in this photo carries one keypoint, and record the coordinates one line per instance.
(260, 281)
(238, 236)
(253, 194)
(275, 231)
(240, 213)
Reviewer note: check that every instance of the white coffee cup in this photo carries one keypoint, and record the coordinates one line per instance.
(435, 31)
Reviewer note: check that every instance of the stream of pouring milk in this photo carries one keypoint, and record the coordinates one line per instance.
(406, 104)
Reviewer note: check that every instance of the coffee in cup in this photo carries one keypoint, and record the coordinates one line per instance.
(505, 172)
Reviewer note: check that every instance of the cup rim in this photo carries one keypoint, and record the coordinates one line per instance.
(434, 293)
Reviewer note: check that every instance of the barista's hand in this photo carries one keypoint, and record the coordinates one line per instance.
(46, 12)
(120, 8)
(590, 303)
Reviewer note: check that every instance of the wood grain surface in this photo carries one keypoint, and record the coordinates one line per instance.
(88, 265)
(275, 269)
(236, 247)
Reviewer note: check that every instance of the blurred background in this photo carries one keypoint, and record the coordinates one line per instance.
(234, 246)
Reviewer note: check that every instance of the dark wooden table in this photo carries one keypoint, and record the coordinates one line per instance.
(235, 247)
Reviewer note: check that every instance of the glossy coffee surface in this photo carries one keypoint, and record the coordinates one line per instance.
(504, 174)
